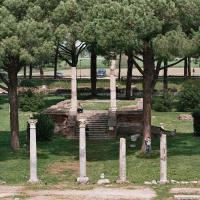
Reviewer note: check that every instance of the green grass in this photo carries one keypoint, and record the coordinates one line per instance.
(58, 159)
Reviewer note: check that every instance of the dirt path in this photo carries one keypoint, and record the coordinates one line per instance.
(100, 193)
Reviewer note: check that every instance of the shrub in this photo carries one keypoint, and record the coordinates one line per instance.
(189, 98)
(27, 83)
(163, 104)
(31, 102)
(196, 122)
(44, 128)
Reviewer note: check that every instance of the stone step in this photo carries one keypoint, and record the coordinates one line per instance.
(186, 197)
(97, 122)
(96, 138)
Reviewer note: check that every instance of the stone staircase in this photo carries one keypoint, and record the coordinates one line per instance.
(97, 122)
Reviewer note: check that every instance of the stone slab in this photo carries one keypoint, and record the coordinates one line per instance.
(185, 190)
(187, 197)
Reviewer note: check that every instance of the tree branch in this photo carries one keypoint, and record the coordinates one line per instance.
(171, 65)
(138, 58)
(4, 88)
(64, 48)
(82, 47)
(138, 67)
(4, 79)
(156, 73)
(63, 58)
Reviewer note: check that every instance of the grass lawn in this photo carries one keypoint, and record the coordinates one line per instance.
(58, 159)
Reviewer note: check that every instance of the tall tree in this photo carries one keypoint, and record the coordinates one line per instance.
(23, 36)
(67, 23)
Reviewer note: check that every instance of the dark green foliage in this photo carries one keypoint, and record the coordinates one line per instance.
(31, 102)
(189, 98)
(163, 103)
(44, 127)
(196, 122)
(27, 83)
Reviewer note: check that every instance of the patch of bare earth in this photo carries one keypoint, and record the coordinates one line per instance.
(61, 167)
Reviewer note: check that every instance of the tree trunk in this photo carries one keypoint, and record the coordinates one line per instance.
(120, 60)
(148, 58)
(189, 68)
(165, 79)
(30, 71)
(129, 74)
(93, 67)
(14, 122)
(41, 72)
(24, 71)
(56, 62)
(185, 68)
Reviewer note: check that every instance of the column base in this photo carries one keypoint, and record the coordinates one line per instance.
(163, 182)
(73, 112)
(33, 180)
(112, 118)
(72, 118)
(119, 181)
(82, 180)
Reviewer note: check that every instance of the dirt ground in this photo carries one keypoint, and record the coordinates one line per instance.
(99, 193)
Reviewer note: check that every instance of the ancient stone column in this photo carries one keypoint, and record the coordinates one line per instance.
(163, 157)
(83, 179)
(112, 120)
(33, 151)
(73, 108)
(113, 102)
(122, 161)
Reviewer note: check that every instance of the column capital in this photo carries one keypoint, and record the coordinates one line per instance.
(113, 55)
(32, 122)
(82, 123)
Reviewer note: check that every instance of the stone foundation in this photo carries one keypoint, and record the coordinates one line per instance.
(123, 123)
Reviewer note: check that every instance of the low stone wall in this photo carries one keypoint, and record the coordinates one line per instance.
(129, 123)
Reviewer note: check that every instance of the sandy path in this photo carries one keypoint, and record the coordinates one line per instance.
(99, 193)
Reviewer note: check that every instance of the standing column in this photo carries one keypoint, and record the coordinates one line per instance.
(73, 109)
(163, 157)
(33, 151)
(122, 161)
(112, 119)
(83, 179)
(113, 103)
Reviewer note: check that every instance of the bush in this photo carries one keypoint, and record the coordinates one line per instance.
(163, 104)
(44, 128)
(189, 98)
(31, 102)
(196, 122)
(27, 83)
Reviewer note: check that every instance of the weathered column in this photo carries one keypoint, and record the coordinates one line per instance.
(163, 157)
(83, 179)
(71, 123)
(73, 109)
(113, 102)
(33, 151)
(112, 120)
(122, 161)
